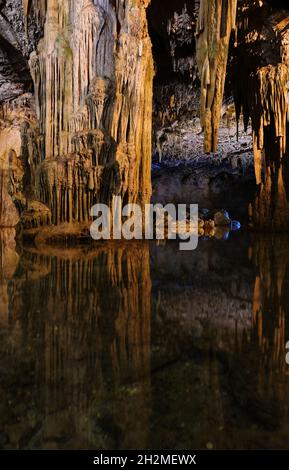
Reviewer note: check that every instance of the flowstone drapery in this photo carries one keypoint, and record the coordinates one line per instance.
(93, 74)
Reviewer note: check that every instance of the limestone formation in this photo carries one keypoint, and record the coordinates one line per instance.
(217, 20)
(92, 71)
(260, 77)
(87, 68)
(265, 101)
(93, 75)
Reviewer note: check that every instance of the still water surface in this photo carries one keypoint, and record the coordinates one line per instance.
(120, 346)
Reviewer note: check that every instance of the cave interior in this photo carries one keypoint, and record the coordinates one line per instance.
(178, 101)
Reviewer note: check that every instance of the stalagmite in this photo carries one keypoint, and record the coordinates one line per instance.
(217, 20)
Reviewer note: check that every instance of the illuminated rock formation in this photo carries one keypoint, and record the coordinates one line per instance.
(93, 74)
(262, 95)
(217, 20)
(260, 78)
(89, 65)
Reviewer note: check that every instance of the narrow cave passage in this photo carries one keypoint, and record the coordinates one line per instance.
(182, 172)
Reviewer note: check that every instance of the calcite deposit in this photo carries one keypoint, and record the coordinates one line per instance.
(92, 72)
(94, 68)
(217, 20)
(259, 75)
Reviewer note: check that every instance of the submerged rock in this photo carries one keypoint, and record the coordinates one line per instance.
(222, 219)
(218, 225)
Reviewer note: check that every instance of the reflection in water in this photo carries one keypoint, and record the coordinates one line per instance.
(271, 298)
(8, 264)
(77, 349)
(136, 346)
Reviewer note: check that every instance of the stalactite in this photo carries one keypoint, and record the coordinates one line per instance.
(39, 8)
(180, 30)
(93, 87)
(261, 94)
(217, 20)
(270, 134)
